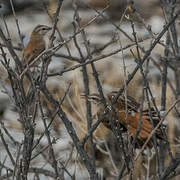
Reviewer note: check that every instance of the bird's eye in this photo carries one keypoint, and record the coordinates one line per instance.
(43, 29)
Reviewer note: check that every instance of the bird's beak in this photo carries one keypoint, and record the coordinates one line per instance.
(49, 28)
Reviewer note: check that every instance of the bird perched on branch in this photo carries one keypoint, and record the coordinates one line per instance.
(126, 112)
(36, 44)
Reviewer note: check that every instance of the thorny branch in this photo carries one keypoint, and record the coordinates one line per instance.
(31, 105)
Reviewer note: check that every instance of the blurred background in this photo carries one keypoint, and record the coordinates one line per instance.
(149, 18)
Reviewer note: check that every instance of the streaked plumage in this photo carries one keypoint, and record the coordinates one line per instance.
(129, 118)
(36, 44)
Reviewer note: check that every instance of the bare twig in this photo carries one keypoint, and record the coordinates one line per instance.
(157, 126)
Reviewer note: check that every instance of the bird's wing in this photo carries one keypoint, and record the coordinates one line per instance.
(134, 116)
(29, 56)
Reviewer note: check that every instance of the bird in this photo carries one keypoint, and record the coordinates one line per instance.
(36, 45)
(127, 113)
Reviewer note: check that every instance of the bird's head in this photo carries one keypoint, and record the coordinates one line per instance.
(41, 30)
(94, 98)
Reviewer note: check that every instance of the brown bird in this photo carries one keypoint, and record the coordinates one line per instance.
(127, 114)
(36, 44)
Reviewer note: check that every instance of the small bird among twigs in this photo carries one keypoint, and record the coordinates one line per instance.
(126, 112)
(36, 45)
